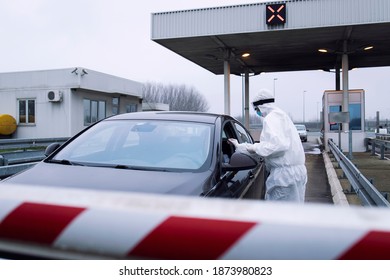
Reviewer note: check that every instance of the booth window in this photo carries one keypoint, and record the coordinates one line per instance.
(334, 109)
(94, 111)
(26, 111)
(355, 116)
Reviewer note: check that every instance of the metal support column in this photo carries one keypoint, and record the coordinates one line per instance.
(226, 72)
(337, 77)
(345, 104)
(246, 100)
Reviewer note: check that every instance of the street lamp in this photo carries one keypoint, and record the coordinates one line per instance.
(274, 87)
(303, 111)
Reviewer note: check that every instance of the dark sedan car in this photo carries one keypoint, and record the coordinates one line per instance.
(179, 153)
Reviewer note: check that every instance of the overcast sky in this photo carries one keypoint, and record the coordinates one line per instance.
(113, 37)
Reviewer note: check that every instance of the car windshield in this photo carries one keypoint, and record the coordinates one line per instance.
(140, 145)
(300, 127)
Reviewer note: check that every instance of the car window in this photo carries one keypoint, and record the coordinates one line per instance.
(148, 144)
(300, 127)
(98, 142)
(242, 134)
(233, 130)
(226, 147)
(228, 131)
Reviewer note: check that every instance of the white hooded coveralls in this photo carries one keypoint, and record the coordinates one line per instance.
(283, 154)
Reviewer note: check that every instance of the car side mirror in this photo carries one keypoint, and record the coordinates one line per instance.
(51, 148)
(239, 161)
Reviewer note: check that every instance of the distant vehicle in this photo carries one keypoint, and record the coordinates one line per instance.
(179, 153)
(302, 131)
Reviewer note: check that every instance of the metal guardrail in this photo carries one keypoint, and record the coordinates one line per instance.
(366, 191)
(19, 154)
(382, 136)
(29, 143)
(9, 170)
(381, 142)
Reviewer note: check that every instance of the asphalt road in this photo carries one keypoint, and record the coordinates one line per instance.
(317, 187)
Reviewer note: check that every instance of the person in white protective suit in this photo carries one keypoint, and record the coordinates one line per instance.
(282, 150)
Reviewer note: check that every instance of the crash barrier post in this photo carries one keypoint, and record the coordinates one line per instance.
(3, 161)
(366, 192)
(58, 223)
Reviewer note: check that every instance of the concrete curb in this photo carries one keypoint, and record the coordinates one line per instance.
(338, 195)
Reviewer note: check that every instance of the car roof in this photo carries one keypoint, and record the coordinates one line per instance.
(171, 115)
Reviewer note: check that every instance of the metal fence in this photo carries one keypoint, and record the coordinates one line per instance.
(379, 145)
(366, 191)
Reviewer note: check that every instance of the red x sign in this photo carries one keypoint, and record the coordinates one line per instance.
(276, 14)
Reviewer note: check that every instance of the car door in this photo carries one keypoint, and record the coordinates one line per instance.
(253, 181)
(244, 183)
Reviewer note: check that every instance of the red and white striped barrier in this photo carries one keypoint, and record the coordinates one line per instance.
(64, 223)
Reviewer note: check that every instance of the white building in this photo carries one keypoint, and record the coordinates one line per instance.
(60, 103)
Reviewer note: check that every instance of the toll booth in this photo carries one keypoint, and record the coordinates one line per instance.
(333, 119)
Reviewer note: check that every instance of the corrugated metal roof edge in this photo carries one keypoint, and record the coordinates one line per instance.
(224, 7)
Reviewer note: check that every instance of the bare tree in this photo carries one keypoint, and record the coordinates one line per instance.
(179, 97)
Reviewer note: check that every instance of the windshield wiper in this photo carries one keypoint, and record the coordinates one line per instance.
(122, 166)
(65, 162)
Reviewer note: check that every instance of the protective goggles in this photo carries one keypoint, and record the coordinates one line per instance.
(263, 101)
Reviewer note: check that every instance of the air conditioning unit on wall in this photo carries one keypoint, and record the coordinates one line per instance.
(54, 96)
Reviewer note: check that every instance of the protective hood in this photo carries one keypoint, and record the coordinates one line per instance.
(264, 101)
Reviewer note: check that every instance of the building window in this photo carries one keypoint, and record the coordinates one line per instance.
(94, 111)
(131, 108)
(115, 105)
(27, 111)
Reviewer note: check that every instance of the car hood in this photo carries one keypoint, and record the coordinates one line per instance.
(103, 178)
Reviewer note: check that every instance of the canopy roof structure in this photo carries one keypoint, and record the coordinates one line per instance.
(275, 36)
(209, 36)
